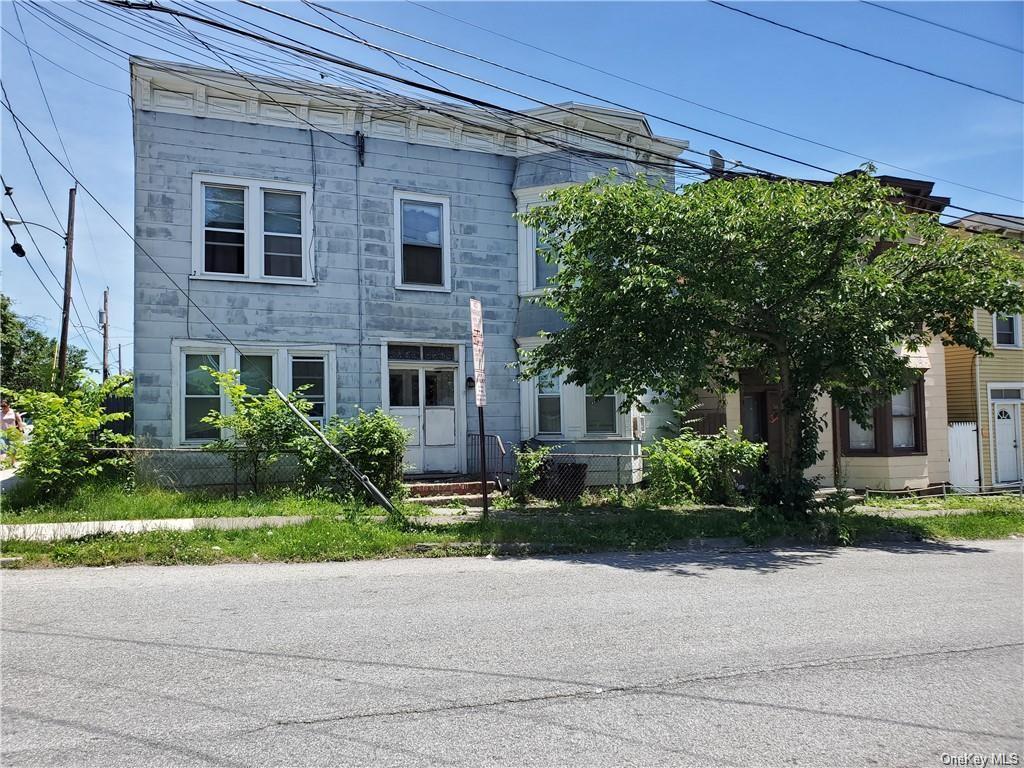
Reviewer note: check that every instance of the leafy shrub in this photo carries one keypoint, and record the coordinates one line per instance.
(697, 468)
(11, 441)
(374, 442)
(529, 463)
(260, 427)
(67, 428)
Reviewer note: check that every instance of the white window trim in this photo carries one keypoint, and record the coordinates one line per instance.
(446, 240)
(254, 262)
(282, 374)
(1018, 333)
(561, 411)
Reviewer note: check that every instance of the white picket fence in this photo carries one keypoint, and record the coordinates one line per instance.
(964, 471)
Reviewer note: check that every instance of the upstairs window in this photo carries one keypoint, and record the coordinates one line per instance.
(252, 230)
(1007, 330)
(423, 259)
(224, 229)
(543, 269)
(282, 234)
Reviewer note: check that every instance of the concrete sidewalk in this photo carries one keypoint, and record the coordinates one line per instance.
(77, 530)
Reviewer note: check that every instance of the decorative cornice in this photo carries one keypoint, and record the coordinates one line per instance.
(183, 89)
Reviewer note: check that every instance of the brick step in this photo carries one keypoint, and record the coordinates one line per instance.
(468, 500)
(447, 488)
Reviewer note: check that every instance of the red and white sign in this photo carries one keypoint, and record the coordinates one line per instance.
(476, 318)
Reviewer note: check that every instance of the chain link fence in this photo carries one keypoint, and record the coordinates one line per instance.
(565, 476)
(196, 469)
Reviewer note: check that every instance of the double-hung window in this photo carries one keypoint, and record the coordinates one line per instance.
(310, 371)
(895, 427)
(246, 229)
(601, 415)
(549, 404)
(256, 371)
(201, 395)
(1007, 330)
(224, 229)
(422, 242)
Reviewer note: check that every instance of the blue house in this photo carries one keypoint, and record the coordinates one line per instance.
(337, 236)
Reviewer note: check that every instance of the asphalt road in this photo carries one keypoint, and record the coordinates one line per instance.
(806, 657)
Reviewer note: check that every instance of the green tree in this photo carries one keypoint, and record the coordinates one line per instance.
(816, 286)
(26, 355)
(67, 431)
(260, 428)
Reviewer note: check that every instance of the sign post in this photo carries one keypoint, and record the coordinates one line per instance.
(476, 317)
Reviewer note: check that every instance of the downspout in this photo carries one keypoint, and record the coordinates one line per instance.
(360, 150)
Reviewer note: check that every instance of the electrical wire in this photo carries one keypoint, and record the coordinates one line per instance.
(306, 49)
(677, 97)
(861, 51)
(881, 7)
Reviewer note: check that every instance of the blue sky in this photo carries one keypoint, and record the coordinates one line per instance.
(694, 50)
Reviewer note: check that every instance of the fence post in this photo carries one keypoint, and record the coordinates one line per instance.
(618, 479)
(234, 479)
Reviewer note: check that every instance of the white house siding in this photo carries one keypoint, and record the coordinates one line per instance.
(355, 272)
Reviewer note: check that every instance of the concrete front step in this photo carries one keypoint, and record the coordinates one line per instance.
(447, 488)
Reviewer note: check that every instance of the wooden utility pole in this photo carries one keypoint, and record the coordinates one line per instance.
(65, 317)
(106, 333)
(119, 371)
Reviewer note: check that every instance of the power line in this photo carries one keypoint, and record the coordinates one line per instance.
(67, 156)
(707, 107)
(942, 26)
(314, 52)
(861, 51)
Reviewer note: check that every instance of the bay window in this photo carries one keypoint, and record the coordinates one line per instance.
(895, 427)
(601, 415)
(549, 405)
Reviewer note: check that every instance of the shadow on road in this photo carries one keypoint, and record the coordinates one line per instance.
(698, 562)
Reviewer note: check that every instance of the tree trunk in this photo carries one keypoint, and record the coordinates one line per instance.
(792, 492)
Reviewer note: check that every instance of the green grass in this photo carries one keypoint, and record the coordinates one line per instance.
(327, 538)
(112, 502)
(1002, 504)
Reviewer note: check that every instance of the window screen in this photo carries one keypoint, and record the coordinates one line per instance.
(601, 414)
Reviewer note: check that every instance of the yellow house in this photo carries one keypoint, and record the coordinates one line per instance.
(988, 392)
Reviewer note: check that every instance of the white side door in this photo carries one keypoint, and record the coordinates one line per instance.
(406, 405)
(1007, 434)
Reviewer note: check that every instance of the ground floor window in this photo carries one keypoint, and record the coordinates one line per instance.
(549, 404)
(601, 414)
(201, 395)
(260, 369)
(895, 427)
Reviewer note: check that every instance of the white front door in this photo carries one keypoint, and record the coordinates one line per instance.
(423, 398)
(1007, 434)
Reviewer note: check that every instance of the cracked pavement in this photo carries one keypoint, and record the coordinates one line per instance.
(891, 655)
